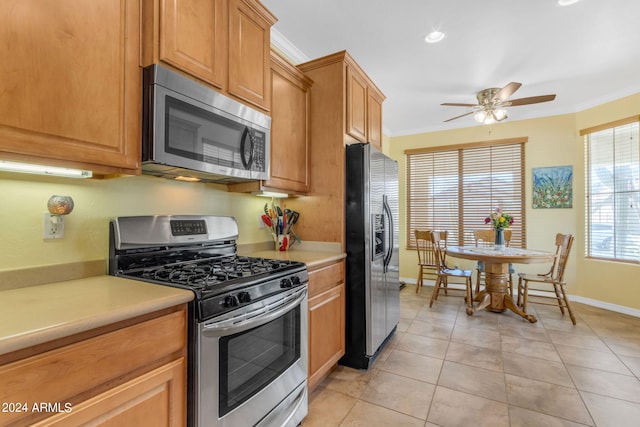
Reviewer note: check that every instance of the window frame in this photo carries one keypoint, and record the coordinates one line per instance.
(464, 231)
(589, 195)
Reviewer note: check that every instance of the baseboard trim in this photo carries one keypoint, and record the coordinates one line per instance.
(574, 298)
(606, 305)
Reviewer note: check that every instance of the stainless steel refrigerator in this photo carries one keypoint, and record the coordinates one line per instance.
(372, 270)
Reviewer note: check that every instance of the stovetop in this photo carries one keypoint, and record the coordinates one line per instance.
(199, 254)
(205, 276)
(224, 284)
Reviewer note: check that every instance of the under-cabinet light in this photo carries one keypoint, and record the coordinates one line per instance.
(187, 178)
(271, 194)
(43, 170)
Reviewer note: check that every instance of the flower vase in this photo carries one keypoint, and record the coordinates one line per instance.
(499, 241)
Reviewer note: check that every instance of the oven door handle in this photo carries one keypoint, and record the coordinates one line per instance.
(233, 326)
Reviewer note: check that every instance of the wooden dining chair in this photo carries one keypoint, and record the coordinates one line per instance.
(444, 273)
(554, 278)
(426, 257)
(486, 239)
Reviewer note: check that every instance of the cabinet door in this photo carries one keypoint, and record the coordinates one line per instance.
(70, 84)
(193, 38)
(70, 372)
(356, 106)
(153, 399)
(326, 332)
(289, 128)
(249, 51)
(374, 125)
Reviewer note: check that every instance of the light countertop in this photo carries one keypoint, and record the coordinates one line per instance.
(313, 254)
(37, 314)
(33, 315)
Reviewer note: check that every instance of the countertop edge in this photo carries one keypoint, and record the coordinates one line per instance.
(312, 259)
(86, 322)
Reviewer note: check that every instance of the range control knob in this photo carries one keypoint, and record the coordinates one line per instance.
(231, 301)
(244, 296)
(295, 280)
(286, 283)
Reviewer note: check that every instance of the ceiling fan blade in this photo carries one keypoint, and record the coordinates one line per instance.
(457, 117)
(531, 100)
(506, 91)
(455, 104)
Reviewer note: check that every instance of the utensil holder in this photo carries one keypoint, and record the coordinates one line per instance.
(281, 244)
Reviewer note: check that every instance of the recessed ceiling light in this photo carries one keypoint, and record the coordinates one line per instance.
(567, 2)
(434, 37)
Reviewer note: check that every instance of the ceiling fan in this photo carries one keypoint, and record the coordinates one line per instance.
(491, 103)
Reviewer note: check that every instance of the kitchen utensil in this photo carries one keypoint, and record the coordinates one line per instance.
(293, 218)
(267, 221)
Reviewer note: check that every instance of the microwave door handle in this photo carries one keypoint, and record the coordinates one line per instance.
(247, 135)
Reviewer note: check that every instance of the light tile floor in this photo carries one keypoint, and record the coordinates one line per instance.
(444, 368)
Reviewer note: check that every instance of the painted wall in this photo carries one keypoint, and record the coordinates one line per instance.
(96, 202)
(552, 141)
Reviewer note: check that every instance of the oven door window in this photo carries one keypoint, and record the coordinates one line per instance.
(201, 135)
(251, 360)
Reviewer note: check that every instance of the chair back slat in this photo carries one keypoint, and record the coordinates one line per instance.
(486, 238)
(563, 248)
(424, 246)
(439, 243)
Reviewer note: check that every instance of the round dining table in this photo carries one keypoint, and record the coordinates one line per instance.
(495, 296)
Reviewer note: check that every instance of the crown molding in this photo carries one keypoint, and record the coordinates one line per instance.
(288, 49)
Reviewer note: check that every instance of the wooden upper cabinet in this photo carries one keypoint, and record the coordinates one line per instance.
(374, 122)
(224, 43)
(356, 105)
(193, 38)
(289, 127)
(363, 107)
(70, 84)
(249, 50)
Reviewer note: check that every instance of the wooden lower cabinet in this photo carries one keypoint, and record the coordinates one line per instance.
(132, 375)
(326, 320)
(151, 399)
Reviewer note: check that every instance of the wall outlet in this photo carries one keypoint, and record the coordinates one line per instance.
(260, 222)
(53, 226)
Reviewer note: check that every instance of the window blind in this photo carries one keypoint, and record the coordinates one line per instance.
(456, 188)
(612, 205)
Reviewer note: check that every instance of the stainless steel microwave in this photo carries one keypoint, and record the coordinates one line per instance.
(194, 132)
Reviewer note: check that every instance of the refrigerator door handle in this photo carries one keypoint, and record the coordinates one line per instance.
(387, 257)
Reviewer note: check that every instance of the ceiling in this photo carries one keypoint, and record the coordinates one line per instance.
(586, 53)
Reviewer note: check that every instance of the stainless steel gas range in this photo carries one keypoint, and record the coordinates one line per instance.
(248, 321)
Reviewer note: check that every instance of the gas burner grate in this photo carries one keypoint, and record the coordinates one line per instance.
(187, 269)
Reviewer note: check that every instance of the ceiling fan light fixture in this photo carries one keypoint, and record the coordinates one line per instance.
(434, 37)
(490, 119)
(491, 104)
(480, 116)
(500, 114)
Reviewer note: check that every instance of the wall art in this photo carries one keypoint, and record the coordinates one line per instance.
(553, 187)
